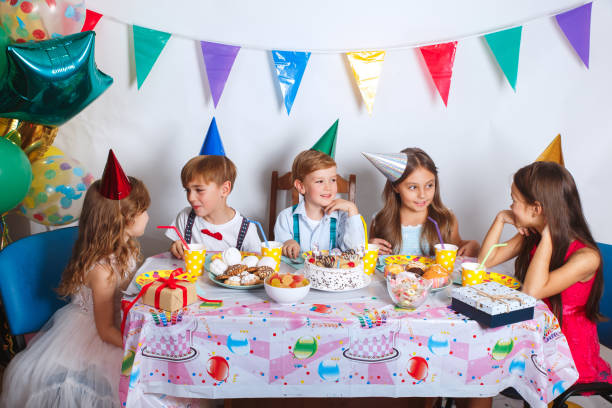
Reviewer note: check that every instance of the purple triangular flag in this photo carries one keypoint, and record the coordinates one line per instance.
(576, 25)
(218, 59)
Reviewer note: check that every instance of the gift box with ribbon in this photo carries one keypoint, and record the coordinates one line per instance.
(169, 293)
(493, 304)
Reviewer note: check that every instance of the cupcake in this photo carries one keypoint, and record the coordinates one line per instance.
(393, 269)
(437, 275)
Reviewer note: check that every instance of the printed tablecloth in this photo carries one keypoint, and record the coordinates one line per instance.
(351, 344)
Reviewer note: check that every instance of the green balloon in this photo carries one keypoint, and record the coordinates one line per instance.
(15, 175)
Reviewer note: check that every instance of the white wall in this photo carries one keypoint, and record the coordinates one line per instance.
(486, 133)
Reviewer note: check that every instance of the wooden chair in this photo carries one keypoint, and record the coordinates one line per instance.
(285, 183)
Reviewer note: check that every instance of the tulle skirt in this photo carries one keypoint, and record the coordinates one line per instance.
(65, 365)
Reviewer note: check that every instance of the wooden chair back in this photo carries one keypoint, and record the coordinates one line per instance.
(285, 183)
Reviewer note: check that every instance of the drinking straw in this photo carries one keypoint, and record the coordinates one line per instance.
(438, 230)
(263, 234)
(365, 231)
(489, 253)
(177, 233)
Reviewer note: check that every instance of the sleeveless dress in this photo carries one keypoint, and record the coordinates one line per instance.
(411, 240)
(66, 364)
(581, 333)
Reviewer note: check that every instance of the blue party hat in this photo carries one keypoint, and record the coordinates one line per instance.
(392, 165)
(212, 143)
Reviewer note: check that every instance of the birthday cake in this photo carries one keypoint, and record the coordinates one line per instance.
(374, 340)
(172, 342)
(335, 272)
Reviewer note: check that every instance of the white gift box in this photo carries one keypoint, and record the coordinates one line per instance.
(493, 304)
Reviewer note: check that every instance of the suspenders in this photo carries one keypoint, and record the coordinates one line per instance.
(241, 235)
(296, 229)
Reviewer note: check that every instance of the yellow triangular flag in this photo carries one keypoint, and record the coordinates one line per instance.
(553, 152)
(366, 66)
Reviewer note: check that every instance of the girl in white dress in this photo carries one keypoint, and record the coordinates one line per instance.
(75, 360)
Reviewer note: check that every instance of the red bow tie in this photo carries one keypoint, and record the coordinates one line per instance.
(215, 235)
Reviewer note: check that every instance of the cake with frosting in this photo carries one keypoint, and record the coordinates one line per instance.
(374, 339)
(335, 271)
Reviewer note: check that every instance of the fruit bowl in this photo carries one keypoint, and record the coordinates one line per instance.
(407, 289)
(286, 288)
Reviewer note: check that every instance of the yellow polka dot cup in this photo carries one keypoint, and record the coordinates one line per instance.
(370, 258)
(470, 274)
(274, 251)
(194, 259)
(446, 257)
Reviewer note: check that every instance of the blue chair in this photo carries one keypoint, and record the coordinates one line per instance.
(30, 271)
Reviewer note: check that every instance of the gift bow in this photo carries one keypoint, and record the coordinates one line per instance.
(215, 235)
(499, 298)
(169, 282)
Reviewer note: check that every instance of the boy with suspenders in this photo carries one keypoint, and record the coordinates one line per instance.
(208, 180)
(320, 219)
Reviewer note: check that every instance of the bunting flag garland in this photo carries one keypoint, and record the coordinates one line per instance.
(91, 20)
(506, 46)
(553, 152)
(219, 59)
(367, 66)
(148, 44)
(212, 142)
(440, 59)
(290, 67)
(576, 25)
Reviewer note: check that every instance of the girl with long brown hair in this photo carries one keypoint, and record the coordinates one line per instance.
(411, 195)
(75, 360)
(557, 259)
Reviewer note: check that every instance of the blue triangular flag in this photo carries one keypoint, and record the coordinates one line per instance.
(212, 143)
(290, 67)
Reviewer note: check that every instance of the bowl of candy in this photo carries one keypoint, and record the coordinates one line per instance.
(407, 289)
(286, 288)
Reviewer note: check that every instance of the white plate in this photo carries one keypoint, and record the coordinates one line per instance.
(368, 280)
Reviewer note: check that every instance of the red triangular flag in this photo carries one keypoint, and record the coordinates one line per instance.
(440, 59)
(114, 183)
(91, 19)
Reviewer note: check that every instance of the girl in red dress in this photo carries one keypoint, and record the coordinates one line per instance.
(557, 258)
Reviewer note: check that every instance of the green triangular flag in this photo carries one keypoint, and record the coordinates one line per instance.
(327, 143)
(506, 46)
(148, 44)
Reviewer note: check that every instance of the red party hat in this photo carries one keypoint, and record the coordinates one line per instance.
(114, 183)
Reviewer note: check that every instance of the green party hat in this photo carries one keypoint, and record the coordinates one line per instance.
(327, 143)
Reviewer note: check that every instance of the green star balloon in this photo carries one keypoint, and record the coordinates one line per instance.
(49, 82)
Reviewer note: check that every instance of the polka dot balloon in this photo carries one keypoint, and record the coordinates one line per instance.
(57, 191)
(37, 20)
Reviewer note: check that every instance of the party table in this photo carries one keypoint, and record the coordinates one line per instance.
(241, 344)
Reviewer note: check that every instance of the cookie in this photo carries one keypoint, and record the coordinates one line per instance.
(222, 277)
(253, 269)
(235, 269)
(263, 272)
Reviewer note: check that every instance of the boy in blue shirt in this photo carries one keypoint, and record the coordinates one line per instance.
(320, 219)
